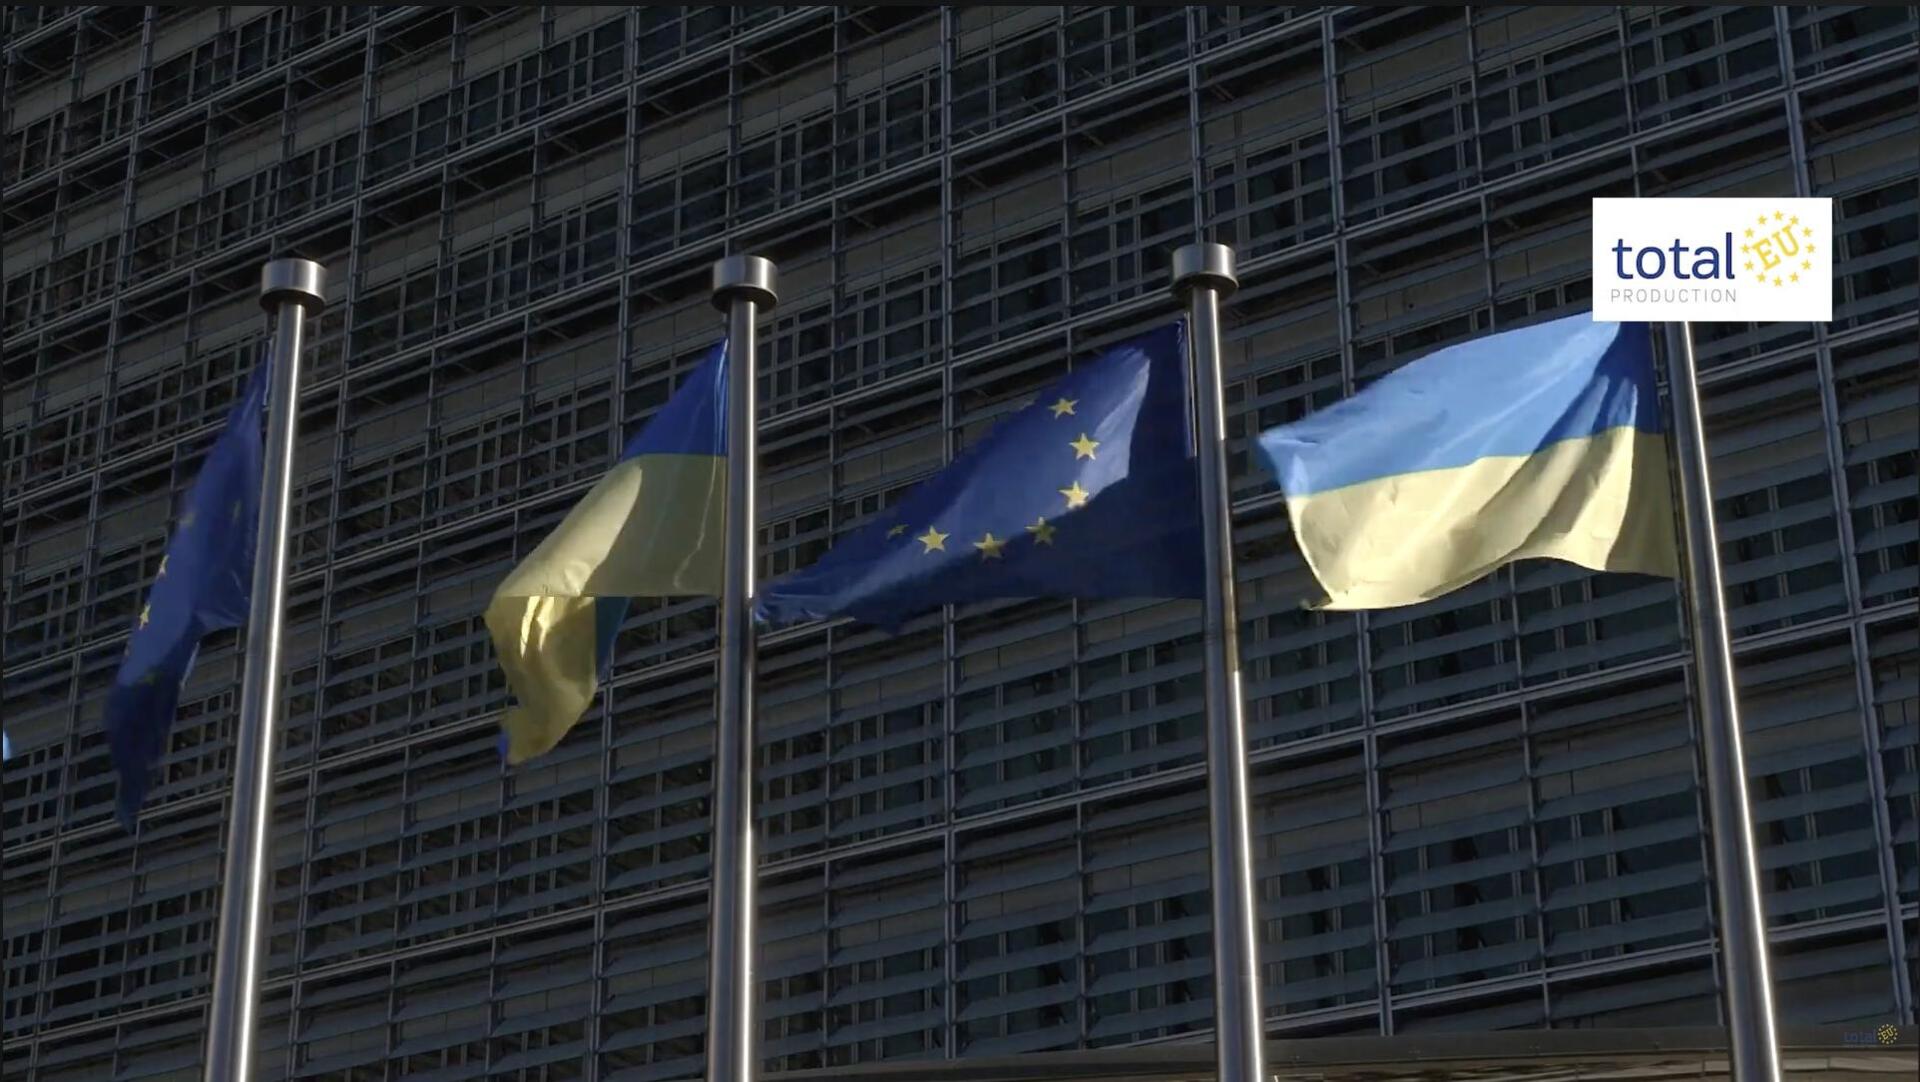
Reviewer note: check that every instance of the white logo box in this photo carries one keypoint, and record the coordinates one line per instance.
(1739, 260)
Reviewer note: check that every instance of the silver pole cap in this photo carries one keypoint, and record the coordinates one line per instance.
(747, 276)
(1198, 266)
(293, 281)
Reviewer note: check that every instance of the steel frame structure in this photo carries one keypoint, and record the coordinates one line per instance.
(1480, 813)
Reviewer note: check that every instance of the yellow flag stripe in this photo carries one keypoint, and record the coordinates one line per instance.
(653, 527)
(1602, 502)
(546, 645)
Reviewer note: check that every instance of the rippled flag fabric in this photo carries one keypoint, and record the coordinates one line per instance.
(203, 585)
(654, 526)
(1546, 441)
(1089, 492)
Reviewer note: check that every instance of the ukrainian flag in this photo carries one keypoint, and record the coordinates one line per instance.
(653, 527)
(1540, 442)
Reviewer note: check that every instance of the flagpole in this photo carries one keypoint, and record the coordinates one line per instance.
(743, 287)
(1203, 274)
(291, 290)
(1743, 928)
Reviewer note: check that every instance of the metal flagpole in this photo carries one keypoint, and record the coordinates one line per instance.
(1204, 274)
(290, 289)
(743, 287)
(1736, 880)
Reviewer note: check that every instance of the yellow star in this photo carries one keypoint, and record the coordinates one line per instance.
(1795, 277)
(1749, 264)
(1064, 406)
(1795, 220)
(1042, 532)
(1809, 249)
(1776, 215)
(1763, 219)
(990, 547)
(145, 611)
(1806, 264)
(934, 540)
(1083, 447)
(1076, 496)
(1806, 231)
(1776, 281)
(163, 567)
(1745, 249)
(1749, 233)
(897, 531)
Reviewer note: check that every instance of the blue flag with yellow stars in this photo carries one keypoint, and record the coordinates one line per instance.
(203, 585)
(1089, 492)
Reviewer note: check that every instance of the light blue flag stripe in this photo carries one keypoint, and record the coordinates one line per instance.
(1508, 394)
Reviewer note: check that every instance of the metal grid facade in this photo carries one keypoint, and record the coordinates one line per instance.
(986, 835)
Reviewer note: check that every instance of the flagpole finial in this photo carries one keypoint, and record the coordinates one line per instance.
(1204, 266)
(293, 281)
(744, 275)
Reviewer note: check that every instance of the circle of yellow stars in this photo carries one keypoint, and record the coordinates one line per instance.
(1785, 230)
(991, 547)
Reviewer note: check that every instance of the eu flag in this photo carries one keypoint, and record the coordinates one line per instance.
(1089, 492)
(204, 583)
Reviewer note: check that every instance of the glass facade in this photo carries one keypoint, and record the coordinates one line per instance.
(985, 835)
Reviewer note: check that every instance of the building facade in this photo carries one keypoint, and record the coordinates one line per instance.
(986, 835)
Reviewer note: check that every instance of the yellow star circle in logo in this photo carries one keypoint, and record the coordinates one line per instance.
(1887, 1033)
(1776, 247)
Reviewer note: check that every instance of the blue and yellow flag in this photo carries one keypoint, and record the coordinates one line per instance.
(1540, 442)
(204, 584)
(652, 527)
(1089, 492)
